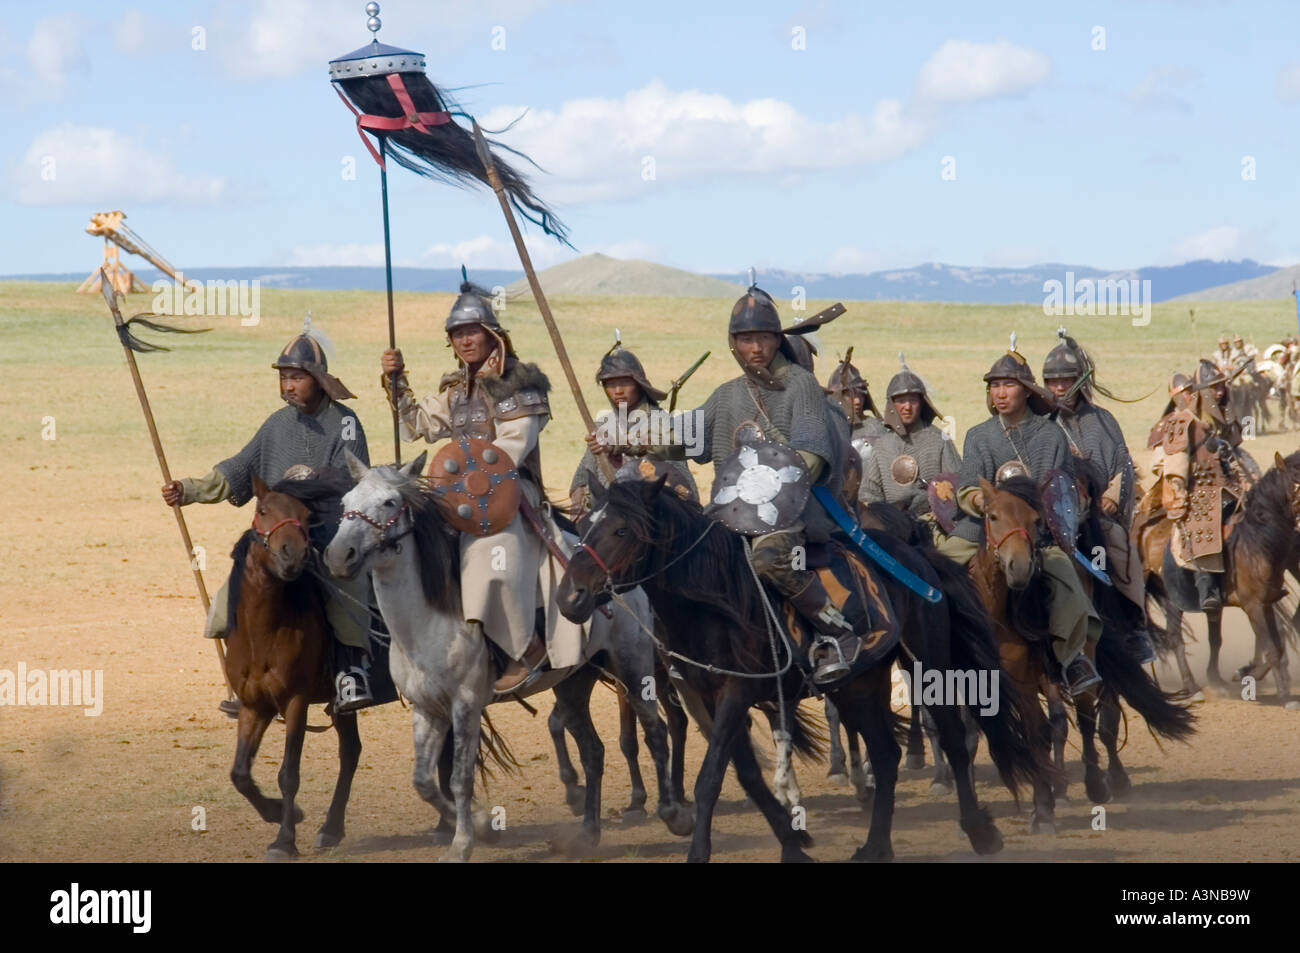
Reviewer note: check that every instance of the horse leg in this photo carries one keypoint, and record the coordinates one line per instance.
(678, 723)
(430, 737)
(466, 719)
(871, 716)
(252, 727)
(574, 793)
(678, 819)
(1214, 622)
(860, 771)
(915, 740)
(1059, 728)
(785, 785)
(1174, 632)
(787, 824)
(627, 743)
(942, 783)
(951, 727)
(1040, 736)
(729, 722)
(1094, 780)
(836, 772)
(345, 726)
(1108, 728)
(295, 730)
(573, 699)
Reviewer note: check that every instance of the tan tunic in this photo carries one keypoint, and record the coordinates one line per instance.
(506, 576)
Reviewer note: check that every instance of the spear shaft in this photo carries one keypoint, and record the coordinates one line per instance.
(107, 288)
(494, 179)
(388, 276)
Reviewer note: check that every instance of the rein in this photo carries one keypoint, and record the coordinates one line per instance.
(385, 541)
(265, 538)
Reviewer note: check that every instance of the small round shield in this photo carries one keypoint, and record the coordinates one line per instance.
(941, 490)
(477, 485)
(761, 488)
(904, 469)
(1012, 468)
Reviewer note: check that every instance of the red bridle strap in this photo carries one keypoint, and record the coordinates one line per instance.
(596, 556)
(1012, 532)
(266, 537)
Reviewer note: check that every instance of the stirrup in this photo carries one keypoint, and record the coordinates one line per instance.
(352, 690)
(829, 669)
(229, 706)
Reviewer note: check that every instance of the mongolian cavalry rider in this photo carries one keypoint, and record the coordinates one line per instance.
(1222, 356)
(1241, 353)
(1204, 474)
(849, 391)
(1020, 438)
(1095, 435)
(496, 397)
(626, 386)
(912, 450)
(308, 435)
(776, 400)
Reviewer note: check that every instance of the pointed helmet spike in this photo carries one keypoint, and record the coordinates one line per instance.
(753, 279)
(464, 275)
(902, 361)
(1013, 342)
(306, 324)
(1060, 333)
(372, 12)
(618, 337)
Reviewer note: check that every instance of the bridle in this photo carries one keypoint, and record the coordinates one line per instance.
(610, 584)
(385, 541)
(265, 538)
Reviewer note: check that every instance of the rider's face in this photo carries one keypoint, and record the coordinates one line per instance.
(1060, 386)
(472, 343)
(622, 390)
(1009, 396)
(757, 348)
(299, 388)
(908, 407)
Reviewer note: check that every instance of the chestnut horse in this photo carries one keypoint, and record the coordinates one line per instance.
(277, 654)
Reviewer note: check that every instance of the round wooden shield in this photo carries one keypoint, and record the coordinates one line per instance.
(477, 484)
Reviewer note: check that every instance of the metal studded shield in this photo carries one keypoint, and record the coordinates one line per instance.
(761, 488)
(477, 484)
(1061, 509)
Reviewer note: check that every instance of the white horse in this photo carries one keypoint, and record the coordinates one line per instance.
(392, 527)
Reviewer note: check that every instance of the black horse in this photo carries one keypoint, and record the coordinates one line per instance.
(701, 586)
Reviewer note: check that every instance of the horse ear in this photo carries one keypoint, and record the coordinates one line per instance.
(598, 491)
(260, 489)
(356, 468)
(986, 488)
(652, 489)
(416, 466)
(1279, 461)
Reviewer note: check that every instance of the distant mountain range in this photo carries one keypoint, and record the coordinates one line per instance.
(602, 275)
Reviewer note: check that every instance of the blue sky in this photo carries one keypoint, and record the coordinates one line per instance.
(826, 158)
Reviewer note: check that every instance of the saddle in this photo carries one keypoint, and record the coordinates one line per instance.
(860, 598)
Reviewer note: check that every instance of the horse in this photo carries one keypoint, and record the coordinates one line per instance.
(1257, 549)
(444, 669)
(716, 615)
(277, 654)
(1006, 570)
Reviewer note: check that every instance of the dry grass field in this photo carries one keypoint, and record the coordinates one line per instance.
(96, 579)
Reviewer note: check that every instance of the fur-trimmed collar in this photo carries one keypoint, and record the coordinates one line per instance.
(518, 375)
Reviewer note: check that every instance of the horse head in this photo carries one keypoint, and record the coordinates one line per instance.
(376, 514)
(616, 541)
(1290, 468)
(280, 523)
(1011, 527)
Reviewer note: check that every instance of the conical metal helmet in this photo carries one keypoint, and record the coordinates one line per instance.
(907, 381)
(754, 311)
(1013, 366)
(305, 353)
(473, 306)
(620, 362)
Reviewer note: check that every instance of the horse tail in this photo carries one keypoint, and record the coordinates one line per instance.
(493, 749)
(808, 737)
(975, 649)
(1121, 672)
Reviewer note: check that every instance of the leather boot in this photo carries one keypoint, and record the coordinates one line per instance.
(351, 678)
(1081, 676)
(518, 671)
(835, 638)
(1207, 589)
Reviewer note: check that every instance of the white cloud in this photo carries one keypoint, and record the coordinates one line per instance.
(137, 34)
(1163, 88)
(965, 72)
(482, 251)
(600, 149)
(1288, 83)
(88, 165)
(56, 50)
(335, 255)
(1220, 243)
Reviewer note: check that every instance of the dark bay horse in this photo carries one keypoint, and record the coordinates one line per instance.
(1257, 550)
(1007, 572)
(701, 586)
(277, 655)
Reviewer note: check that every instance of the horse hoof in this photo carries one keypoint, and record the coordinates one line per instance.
(872, 855)
(915, 762)
(838, 777)
(582, 843)
(454, 857)
(576, 798)
(1043, 826)
(634, 814)
(1120, 786)
(325, 841)
(1061, 792)
(940, 788)
(278, 853)
(680, 821)
(986, 839)
(794, 854)
(1194, 698)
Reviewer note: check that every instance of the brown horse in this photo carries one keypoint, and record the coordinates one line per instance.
(276, 659)
(1258, 548)
(1006, 573)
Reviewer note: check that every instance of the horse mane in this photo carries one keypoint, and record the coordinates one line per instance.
(300, 595)
(1266, 525)
(436, 543)
(729, 593)
(1025, 489)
